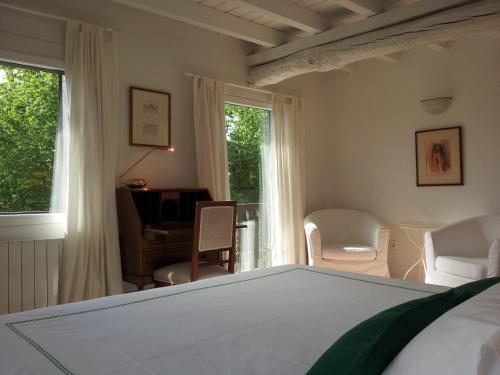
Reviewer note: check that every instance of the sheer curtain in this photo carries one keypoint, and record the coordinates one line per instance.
(91, 257)
(58, 197)
(282, 227)
(210, 133)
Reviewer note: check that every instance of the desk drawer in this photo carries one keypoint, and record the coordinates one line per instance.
(157, 242)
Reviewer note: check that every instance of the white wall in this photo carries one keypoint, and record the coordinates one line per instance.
(372, 116)
(155, 52)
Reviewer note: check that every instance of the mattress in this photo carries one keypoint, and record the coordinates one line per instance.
(272, 321)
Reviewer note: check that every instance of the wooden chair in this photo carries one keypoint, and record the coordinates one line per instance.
(214, 235)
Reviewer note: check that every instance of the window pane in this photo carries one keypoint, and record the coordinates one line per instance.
(29, 112)
(244, 130)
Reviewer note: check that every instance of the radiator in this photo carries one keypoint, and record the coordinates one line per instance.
(29, 274)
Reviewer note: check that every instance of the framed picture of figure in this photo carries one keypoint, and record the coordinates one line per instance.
(149, 117)
(439, 157)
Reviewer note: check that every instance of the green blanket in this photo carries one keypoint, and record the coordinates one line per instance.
(368, 348)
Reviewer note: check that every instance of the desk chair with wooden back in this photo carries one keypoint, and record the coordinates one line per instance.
(214, 235)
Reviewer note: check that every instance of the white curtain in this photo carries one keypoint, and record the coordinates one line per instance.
(283, 225)
(59, 195)
(91, 255)
(210, 133)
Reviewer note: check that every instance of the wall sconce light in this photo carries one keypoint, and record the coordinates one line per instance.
(436, 106)
(141, 183)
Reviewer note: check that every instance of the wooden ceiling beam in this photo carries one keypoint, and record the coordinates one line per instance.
(288, 13)
(211, 19)
(385, 19)
(393, 57)
(440, 47)
(477, 17)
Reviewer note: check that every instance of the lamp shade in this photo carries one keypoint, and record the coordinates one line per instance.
(436, 106)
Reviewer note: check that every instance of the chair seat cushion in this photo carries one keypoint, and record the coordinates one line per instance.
(348, 252)
(180, 273)
(471, 268)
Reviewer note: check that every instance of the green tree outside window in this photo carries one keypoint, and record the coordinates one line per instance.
(29, 108)
(245, 136)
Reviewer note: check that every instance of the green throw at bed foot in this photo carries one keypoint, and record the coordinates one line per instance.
(368, 348)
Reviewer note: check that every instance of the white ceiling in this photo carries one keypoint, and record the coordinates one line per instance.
(284, 27)
(337, 12)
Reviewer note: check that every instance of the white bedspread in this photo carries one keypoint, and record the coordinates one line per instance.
(273, 321)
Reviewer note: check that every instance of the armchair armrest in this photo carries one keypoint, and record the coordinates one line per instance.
(430, 253)
(494, 259)
(313, 240)
(383, 243)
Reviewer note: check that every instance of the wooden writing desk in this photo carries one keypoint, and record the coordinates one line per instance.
(156, 229)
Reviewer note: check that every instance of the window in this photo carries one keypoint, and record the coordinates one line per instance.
(30, 110)
(246, 132)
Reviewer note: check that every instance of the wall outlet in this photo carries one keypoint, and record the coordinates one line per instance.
(393, 244)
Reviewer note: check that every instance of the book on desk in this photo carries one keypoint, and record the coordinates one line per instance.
(155, 229)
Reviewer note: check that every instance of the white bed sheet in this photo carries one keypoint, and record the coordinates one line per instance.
(463, 341)
(273, 321)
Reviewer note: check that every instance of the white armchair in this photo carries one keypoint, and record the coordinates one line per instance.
(347, 240)
(462, 252)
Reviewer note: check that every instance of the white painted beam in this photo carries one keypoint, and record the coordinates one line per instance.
(477, 17)
(393, 57)
(364, 8)
(350, 68)
(211, 19)
(495, 34)
(440, 47)
(288, 13)
(385, 19)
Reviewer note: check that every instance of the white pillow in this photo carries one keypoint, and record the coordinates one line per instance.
(463, 341)
(494, 259)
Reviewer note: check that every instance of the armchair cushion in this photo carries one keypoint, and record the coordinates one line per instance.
(494, 259)
(470, 268)
(348, 252)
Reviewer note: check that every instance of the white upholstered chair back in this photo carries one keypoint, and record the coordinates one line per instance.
(464, 251)
(216, 227)
(467, 238)
(333, 235)
(341, 225)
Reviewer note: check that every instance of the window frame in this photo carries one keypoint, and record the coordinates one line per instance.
(248, 97)
(34, 225)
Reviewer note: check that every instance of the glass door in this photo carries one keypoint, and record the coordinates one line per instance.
(246, 132)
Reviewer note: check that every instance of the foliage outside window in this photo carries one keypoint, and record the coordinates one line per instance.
(29, 112)
(245, 135)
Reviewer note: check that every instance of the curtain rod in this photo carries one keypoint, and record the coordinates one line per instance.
(51, 16)
(257, 89)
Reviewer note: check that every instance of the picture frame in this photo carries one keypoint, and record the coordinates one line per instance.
(439, 157)
(150, 114)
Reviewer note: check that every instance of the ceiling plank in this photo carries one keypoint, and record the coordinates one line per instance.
(211, 19)
(364, 8)
(477, 17)
(389, 18)
(288, 13)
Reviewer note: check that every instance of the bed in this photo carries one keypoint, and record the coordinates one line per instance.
(272, 321)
